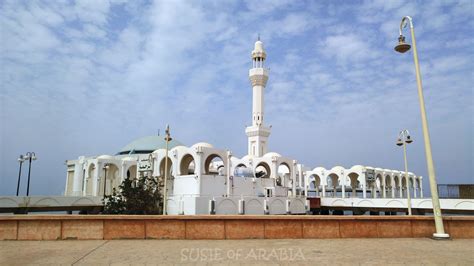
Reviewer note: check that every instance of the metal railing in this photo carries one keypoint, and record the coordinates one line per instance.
(456, 191)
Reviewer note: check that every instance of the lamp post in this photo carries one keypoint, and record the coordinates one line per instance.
(403, 140)
(403, 47)
(106, 166)
(30, 156)
(21, 159)
(167, 139)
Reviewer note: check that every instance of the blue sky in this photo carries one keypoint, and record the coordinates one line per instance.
(87, 77)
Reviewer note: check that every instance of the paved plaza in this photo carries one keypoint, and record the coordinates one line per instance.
(294, 252)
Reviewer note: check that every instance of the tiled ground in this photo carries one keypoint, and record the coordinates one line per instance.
(294, 252)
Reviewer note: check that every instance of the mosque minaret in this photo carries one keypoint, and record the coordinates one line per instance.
(258, 133)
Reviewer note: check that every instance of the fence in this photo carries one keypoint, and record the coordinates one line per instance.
(456, 191)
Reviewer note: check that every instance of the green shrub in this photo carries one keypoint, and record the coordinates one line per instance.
(140, 196)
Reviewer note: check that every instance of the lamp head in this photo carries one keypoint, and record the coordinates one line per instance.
(408, 139)
(33, 157)
(399, 142)
(21, 158)
(402, 46)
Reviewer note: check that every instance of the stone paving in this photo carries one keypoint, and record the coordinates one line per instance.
(419, 251)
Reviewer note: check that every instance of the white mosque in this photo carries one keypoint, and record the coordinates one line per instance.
(203, 179)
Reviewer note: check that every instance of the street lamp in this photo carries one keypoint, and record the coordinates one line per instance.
(403, 47)
(30, 156)
(21, 159)
(403, 140)
(167, 139)
(106, 166)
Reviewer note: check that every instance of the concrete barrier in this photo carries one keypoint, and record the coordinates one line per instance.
(57, 227)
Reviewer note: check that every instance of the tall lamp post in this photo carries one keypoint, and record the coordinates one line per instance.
(403, 47)
(167, 139)
(21, 159)
(403, 140)
(30, 156)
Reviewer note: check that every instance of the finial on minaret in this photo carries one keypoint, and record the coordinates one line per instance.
(258, 37)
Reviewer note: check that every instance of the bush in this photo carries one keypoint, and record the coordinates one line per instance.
(141, 196)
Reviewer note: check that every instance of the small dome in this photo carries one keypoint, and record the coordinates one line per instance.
(319, 169)
(258, 46)
(259, 51)
(148, 145)
(202, 144)
(247, 157)
(272, 154)
(175, 148)
(128, 158)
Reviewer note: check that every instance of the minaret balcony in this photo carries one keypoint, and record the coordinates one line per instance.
(262, 131)
(258, 76)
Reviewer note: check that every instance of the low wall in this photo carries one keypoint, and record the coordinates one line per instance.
(55, 227)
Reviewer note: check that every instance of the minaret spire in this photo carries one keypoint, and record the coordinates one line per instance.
(257, 133)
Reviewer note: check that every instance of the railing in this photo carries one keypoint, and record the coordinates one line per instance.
(456, 191)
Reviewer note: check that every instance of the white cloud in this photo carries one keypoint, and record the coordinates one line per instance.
(266, 6)
(348, 47)
(92, 11)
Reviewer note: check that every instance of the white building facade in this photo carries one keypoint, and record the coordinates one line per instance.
(203, 179)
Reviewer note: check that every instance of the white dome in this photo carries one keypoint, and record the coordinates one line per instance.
(319, 168)
(246, 157)
(105, 157)
(147, 145)
(271, 154)
(202, 144)
(259, 51)
(258, 46)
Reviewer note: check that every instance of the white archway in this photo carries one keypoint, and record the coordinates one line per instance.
(396, 184)
(332, 183)
(388, 186)
(284, 174)
(354, 183)
(187, 165)
(169, 167)
(89, 181)
(315, 184)
(214, 165)
(109, 178)
(262, 170)
(132, 172)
